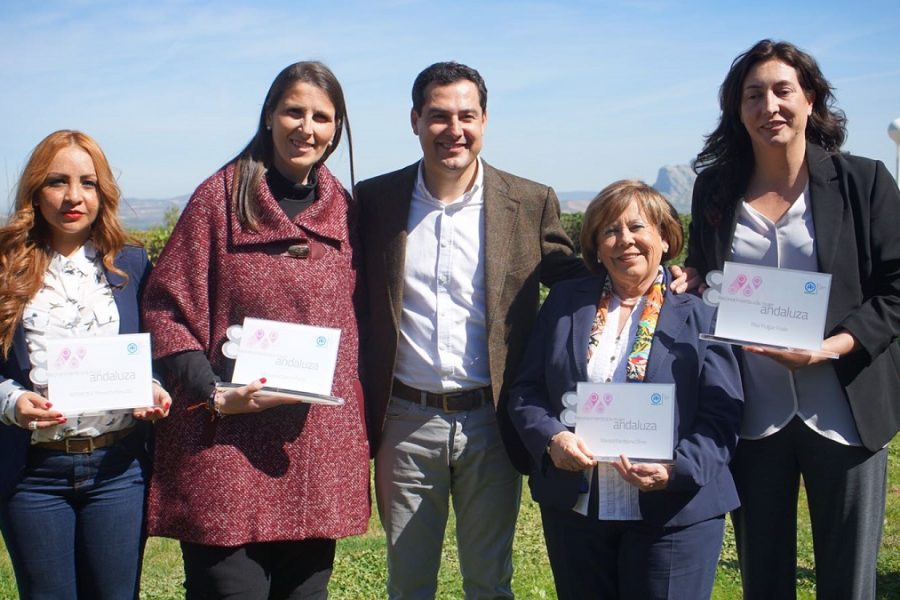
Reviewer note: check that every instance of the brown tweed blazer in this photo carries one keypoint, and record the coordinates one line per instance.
(524, 246)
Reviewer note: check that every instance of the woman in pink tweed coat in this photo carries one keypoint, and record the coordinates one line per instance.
(258, 491)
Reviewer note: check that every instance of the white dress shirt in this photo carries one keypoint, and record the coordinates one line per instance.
(618, 499)
(443, 335)
(76, 300)
(773, 393)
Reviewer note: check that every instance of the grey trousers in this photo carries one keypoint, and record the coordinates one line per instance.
(845, 487)
(426, 458)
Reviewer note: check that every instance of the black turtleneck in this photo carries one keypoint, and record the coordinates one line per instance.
(293, 198)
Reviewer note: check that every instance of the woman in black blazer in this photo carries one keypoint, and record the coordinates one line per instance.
(774, 190)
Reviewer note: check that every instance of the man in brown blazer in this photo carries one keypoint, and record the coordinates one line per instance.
(454, 254)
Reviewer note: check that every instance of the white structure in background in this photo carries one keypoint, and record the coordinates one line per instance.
(894, 133)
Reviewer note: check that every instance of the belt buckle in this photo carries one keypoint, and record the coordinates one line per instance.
(90, 446)
(445, 397)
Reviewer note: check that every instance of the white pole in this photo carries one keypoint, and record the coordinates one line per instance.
(894, 134)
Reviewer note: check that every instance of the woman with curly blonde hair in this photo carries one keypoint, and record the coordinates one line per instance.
(71, 487)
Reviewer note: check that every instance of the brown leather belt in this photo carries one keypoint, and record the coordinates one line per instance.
(86, 445)
(449, 402)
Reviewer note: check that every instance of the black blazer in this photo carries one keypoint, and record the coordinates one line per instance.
(855, 206)
(14, 440)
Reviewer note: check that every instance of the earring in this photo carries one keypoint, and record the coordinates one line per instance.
(268, 128)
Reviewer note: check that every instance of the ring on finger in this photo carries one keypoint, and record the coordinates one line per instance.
(33, 425)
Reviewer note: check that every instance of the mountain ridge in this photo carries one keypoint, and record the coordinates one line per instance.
(675, 182)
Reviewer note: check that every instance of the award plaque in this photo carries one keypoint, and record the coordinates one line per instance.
(99, 374)
(634, 419)
(782, 309)
(298, 361)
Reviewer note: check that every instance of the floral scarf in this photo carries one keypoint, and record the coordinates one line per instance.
(636, 368)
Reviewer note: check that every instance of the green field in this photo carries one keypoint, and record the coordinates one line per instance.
(359, 572)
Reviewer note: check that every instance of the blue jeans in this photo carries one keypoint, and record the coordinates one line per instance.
(73, 524)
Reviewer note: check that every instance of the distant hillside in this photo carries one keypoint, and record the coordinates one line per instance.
(675, 182)
(144, 213)
(574, 202)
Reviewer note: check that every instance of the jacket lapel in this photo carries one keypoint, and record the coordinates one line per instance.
(725, 233)
(125, 298)
(672, 319)
(394, 212)
(583, 311)
(19, 350)
(501, 211)
(827, 204)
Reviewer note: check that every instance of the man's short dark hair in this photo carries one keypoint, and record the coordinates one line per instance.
(445, 73)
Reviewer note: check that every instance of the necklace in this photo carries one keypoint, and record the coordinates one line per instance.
(630, 303)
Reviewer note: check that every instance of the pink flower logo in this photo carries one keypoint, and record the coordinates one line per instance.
(740, 285)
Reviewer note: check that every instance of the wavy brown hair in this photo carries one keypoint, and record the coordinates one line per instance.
(25, 250)
(727, 150)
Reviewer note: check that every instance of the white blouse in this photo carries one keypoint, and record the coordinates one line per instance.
(618, 499)
(773, 393)
(76, 300)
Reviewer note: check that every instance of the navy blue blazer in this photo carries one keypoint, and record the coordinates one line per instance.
(709, 400)
(14, 440)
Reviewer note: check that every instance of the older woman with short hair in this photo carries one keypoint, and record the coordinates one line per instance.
(630, 530)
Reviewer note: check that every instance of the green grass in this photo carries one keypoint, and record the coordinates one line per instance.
(359, 572)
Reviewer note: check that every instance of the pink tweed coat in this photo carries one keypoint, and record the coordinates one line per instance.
(287, 473)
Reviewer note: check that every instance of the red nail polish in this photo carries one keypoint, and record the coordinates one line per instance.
(262, 379)
(47, 406)
(167, 405)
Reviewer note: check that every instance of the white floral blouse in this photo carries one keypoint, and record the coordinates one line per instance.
(76, 300)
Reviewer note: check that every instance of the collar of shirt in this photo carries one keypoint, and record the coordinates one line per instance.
(85, 259)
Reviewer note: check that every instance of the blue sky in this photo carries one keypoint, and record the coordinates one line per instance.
(580, 92)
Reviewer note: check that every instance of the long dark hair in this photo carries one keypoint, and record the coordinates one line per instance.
(728, 150)
(257, 157)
